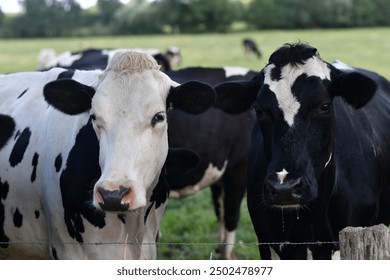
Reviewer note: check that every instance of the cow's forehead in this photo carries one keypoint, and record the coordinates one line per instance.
(281, 84)
(137, 93)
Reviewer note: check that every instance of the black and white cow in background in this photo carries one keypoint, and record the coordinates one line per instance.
(320, 152)
(80, 175)
(222, 142)
(92, 59)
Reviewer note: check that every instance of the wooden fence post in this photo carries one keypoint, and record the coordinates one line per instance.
(371, 243)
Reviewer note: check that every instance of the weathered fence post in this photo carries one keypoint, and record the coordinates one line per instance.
(371, 243)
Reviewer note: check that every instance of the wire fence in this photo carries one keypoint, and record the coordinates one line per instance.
(193, 244)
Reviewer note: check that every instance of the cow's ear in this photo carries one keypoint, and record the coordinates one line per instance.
(355, 88)
(238, 96)
(193, 97)
(7, 127)
(69, 96)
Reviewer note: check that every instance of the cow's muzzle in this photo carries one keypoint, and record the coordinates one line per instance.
(286, 194)
(113, 200)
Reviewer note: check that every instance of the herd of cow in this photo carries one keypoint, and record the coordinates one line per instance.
(87, 161)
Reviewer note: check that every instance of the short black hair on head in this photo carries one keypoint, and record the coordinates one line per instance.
(292, 54)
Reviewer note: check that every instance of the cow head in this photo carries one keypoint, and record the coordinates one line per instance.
(293, 98)
(128, 111)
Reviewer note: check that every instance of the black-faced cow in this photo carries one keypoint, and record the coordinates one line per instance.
(92, 59)
(222, 142)
(80, 176)
(320, 151)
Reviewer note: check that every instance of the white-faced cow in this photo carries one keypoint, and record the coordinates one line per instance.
(80, 176)
(319, 157)
(222, 142)
(92, 59)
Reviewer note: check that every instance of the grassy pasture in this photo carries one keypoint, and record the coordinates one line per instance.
(192, 220)
(367, 48)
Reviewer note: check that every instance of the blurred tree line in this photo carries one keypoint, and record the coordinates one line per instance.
(49, 18)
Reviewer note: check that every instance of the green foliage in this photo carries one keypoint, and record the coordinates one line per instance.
(44, 18)
(48, 18)
(292, 14)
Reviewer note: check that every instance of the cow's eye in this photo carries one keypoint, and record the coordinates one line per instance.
(258, 110)
(159, 117)
(325, 108)
(93, 117)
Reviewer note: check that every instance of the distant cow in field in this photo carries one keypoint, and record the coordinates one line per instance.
(319, 157)
(92, 59)
(82, 175)
(250, 47)
(222, 142)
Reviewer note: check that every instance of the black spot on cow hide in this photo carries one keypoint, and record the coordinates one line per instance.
(22, 93)
(20, 147)
(34, 164)
(18, 218)
(66, 75)
(54, 253)
(4, 188)
(58, 163)
(77, 181)
(122, 217)
(7, 127)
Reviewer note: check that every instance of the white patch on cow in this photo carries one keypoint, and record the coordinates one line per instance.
(327, 162)
(211, 175)
(235, 71)
(342, 66)
(274, 255)
(287, 102)
(229, 246)
(48, 58)
(282, 175)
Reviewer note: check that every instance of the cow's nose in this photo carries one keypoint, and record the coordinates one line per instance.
(112, 200)
(287, 193)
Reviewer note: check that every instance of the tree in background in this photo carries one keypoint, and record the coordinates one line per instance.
(138, 17)
(46, 18)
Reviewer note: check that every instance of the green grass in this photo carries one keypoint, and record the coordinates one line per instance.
(192, 219)
(367, 48)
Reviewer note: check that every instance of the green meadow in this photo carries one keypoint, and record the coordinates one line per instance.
(189, 228)
(368, 48)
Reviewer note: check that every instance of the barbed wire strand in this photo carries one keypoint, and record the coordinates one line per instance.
(200, 244)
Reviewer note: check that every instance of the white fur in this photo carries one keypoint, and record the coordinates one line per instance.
(289, 73)
(282, 175)
(235, 71)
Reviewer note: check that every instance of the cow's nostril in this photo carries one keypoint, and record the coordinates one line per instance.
(112, 200)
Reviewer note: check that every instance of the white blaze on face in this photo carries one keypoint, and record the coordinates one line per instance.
(282, 88)
(282, 175)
